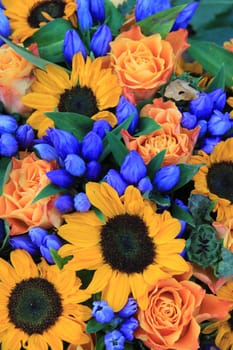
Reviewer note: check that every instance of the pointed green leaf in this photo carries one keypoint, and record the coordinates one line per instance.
(218, 81)
(212, 56)
(118, 149)
(146, 126)
(160, 199)
(181, 214)
(187, 171)
(93, 326)
(5, 168)
(155, 164)
(59, 261)
(113, 18)
(48, 190)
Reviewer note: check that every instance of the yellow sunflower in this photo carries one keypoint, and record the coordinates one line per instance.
(131, 247)
(90, 90)
(215, 179)
(39, 305)
(27, 17)
(224, 328)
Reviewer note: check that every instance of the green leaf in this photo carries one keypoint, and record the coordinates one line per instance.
(48, 190)
(93, 326)
(187, 171)
(146, 126)
(161, 22)
(160, 199)
(155, 164)
(59, 261)
(118, 149)
(181, 214)
(113, 18)
(50, 38)
(218, 81)
(77, 124)
(7, 235)
(5, 168)
(211, 56)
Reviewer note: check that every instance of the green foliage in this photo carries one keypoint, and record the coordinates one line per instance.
(5, 168)
(181, 214)
(146, 126)
(187, 171)
(118, 149)
(218, 81)
(155, 164)
(113, 18)
(47, 191)
(59, 261)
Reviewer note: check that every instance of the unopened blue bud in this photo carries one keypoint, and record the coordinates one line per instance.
(114, 179)
(100, 40)
(166, 178)
(8, 145)
(133, 169)
(24, 242)
(188, 120)
(100, 127)
(203, 128)
(219, 123)
(102, 312)
(218, 97)
(128, 327)
(202, 106)
(93, 170)
(145, 185)
(25, 136)
(8, 124)
(61, 177)
(185, 16)
(73, 44)
(97, 8)
(85, 20)
(64, 203)
(5, 29)
(124, 110)
(46, 152)
(92, 146)
(145, 8)
(50, 241)
(81, 202)
(114, 340)
(129, 309)
(37, 234)
(75, 165)
(209, 143)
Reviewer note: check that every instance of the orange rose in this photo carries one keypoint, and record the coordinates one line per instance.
(175, 310)
(16, 77)
(26, 179)
(144, 63)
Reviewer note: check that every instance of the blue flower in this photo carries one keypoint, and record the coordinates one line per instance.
(85, 20)
(145, 185)
(202, 106)
(203, 127)
(219, 123)
(24, 242)
(64, 203)
(46, 152)
(133, 169)
(100, 127)
(37, 234)
(81, 202)
(100, 40)
(8, 145)
(145, 8)
(75, 165)
(188, 120)
(93, 170)
(61, 177)
(5, 29)
(114, 340)
(97, 8)
(129, 309)
(50, 241)
(92, 146)
(209, 143)
(184, 17)
(73, 44)
(8, 124)
(128, 327)
(166, 178)
(218, 97)
(25, 136)
(114, 179)
(102, 312)
(126, 109)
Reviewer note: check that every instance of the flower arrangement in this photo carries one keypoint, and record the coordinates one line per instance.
(116, 175)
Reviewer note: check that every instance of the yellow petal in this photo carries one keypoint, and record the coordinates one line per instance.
(37, 341)
(139, 289)
(100, 279)
(23, 264)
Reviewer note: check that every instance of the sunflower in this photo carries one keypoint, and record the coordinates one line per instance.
(223, 328)
(129, 245)
(39, 305)
(27, 17)
(90, 90)
(215, 179)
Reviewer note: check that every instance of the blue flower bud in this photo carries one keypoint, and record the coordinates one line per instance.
(145, 185)
(114, 179)
(209, 143)
(188, 120)
(46, 152)
(85, 20)
(81, 202)
(219, 123)
(97, 8)
(37, 234)
(128, 327)
(102, 312)
(93, 170)
(73, 44)
(100, 127)
(185, 16)
(133, 169)
(64, 203)
(100, 40)
(202, 106)
(203, 128)
(8, 124)
(129, 309)
(126, 109)
(5, 29)
(114, 340)
(25, 136)
(61, 177)
(24, 242)
(2, 230)
(166, 178)
(218, 97)
(182, 222)
(50, 241)
(75, 165)
(8, 145)
(145, 8)
(92, 146)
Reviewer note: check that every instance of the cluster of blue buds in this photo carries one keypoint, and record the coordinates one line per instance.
(37, 242)
(12, 137)
(119, 326)
(5, 29)
(207, 111)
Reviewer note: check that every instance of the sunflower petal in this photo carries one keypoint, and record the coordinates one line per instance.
(100, 280)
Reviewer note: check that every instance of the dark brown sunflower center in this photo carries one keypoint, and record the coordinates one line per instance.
(126, 245)
(79, 100)
(54, 9)
(220, 180)
(34, 305)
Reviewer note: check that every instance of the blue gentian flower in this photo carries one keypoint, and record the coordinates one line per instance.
(185, 16)
(114, 340)
(219, 123)
(166, 178)
(5, 29)
(146, 8)
(85, 20)
(188, 120)
(209, 143)
(75, 165)
(97, 9)
(73, 44)
(100, 40)
(46, 152)
(114, 179)
(92, 146)
(64, 203)
(133, 169)
(202, 106)
(128, 327)
(218, 97)
(25, 136)
(8, 124)
(93, 170)
(8, 145)
(61, 177)
(203, 127)
(81, 202)
(24, 242)
(37, 234)
(100, 127)
(129, 309)
(125, 109)
(102, 312)
(50, 241)
(145, 185)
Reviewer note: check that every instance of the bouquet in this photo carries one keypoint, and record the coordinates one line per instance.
(116, 175)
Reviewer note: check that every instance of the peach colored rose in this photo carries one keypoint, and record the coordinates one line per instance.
(16, 77)
(26, 179)
(175, 311)
(144, 63)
